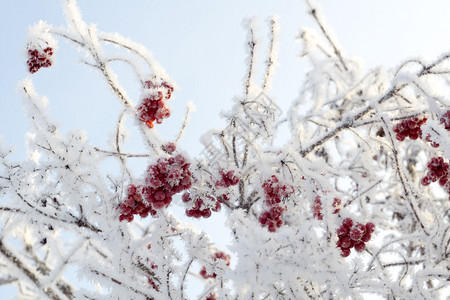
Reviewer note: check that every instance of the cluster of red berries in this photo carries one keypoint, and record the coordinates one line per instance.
(274, 192)
(438, 170)
(170, 147)
(134, 205)
(38, 59)
(200, 208)
(317, 207)
(409, 128)
(445, 120)
(272, 218)
(216, 256)
(164, 179)
(353, 236)
(227, 179)
(153, 106)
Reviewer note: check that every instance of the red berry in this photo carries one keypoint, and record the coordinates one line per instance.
(425, 181)
(366, 237)
(343, 231)
(345, 252)
(346, 242)
(357, 232)
(347, 222)
(370, 227)
(360, 247)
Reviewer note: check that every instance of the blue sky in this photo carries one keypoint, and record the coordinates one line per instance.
(201, 46)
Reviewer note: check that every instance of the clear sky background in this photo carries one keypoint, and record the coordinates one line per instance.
(201, 44)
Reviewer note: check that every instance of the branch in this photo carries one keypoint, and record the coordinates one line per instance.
(184, 277)
(30, 275)
(79, 222)
(406, 190)
(325, 33)
(112, 153)
(251, 45)
(271, 57)
(118, 282)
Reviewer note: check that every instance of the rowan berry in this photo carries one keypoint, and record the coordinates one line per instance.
(39, 59)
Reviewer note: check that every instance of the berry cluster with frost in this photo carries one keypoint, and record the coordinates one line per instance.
(445, 120)
(170, 147)
(216, 256)
(227, 179)
(356, 236)
(199, 207)
(153, 106)
(438, 170)
(39, 59)
(275, 191)
(164, 179)
(409, 128)
(272, 218)
(317, 207)
(134, 205)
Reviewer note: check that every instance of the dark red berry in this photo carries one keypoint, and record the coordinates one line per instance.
(370, 227)
(347, 222)
(360, 247)
(345, 252)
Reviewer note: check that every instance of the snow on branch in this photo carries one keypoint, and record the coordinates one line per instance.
(354, 202)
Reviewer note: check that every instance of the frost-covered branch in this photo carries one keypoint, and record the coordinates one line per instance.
(352, 201)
